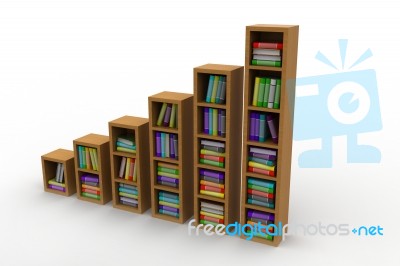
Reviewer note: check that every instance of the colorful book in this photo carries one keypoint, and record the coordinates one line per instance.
(223, 91)
(172, 121)
(90, 178)
(260, 171)
(263, 132)
(210, 88)
(268, 45)
(267, 57)
(167, 115)
(161, 115)
(89, 195)
(266, 92)
(212, 163)
(266, 63)
(59, 188)
(263, 51)
(206, 122)
(263, 151)
(261, 166)
(215, 88)
(271, 96)
(255, 91)
(260, 215)
(260, 193)
(218, 96)
(277, 98)
(272, 125)
(261, 91)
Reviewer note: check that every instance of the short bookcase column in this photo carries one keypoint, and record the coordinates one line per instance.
(171, 148)
(218, 102)
(92, 165)
(130, 170)
(270, 73)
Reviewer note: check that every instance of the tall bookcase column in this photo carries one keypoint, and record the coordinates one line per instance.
(171, 158)
(218, 104)
(92, 166)
(270, 73)
(130, 169)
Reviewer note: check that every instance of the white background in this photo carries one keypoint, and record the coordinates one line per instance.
(69, 67)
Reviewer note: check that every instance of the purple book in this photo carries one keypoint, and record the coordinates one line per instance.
(90, 178)
(219, 122)
(158, 144)
(212, 174)
(205, 130)
(171, 146)
(165, 183)
(57, 188)
(167, 179)
(271, 120)
(263, 156)
(167, 208)
(252, 125)
(260, 215)
(257, 127)
(167, 115)
(176, 149)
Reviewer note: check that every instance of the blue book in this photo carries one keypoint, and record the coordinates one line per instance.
(121, 144)
(267, 184)
(127, 190)
(210, 88)
(210, 121)
(260, 203)
(168, 213)
(80, 152)
(263, 134)
(168, 195)
(206, 123)
(163, 138)
(257, 127)
(175, 201)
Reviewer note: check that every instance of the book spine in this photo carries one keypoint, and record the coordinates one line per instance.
(210, 88)
(122, 167)
(261, 183)
(260, 215)
(211, 193)
(175, 137)
(167, 179)
(266, 92)
(173, 116)
(262, 134)
(260, 193)
(215, 88)
(223, 91)
(252, 126)
(268, 45)
(215, 122)
(171, 146)
(210, 121)
(267, 57)
(127, 168)
(218, 96)
(272, 94)
(131, 169)
(277, 98)
(266, 63)
(257, 127)
(212, 158)
(80, 155)
(161, 115)
(213, 143)
(219, 122)
(167, 141)
(135, 169)
(206, 123)
(167, 115)
(213, 163)
(261, 90)
(263, 151)
(211, 173)
(158, 144)
(223, 123)
(255, 91)
(272, 128)
(261, 171)
(261, 166)
(162, 144)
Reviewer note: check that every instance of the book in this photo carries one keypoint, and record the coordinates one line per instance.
(223, 91)
(172, 121)
(89, 195)
(261, 91)
(160, 202)
(163, 169)
(266, 63)
(218, 96)
(210, 88)
(211, 214)
(93, 184)
(168, 195)
(261, 166)
(126, 139)
(260, 171)
(268, 45)
(267, 57)
(212, 184)
(128, 195)
(271, 96)
(158, 144)
(211, 173)
(212, 206)
(277, 98)
(259, 198)
(127, 168)
(263, 151)
(252, 126)
(259, 188)
(212, 188)
(211, 148)
(264, 51)
(206, 122)
(212, 143)
(171, 209)
(215, 122)
(128, 186)
(262, 161)
(167, 115)
(167, 179)
(55, 183)
(257, 127)
(223, 123)
(210, 121)
(260, 182)
(90, 187)
(161, 115)
(165, 199)
(272, 125)
(260, 215)
(91, 191)
(263, 156)
(122, 149)
(59, 188)
(173, 214)
(124, 145)
(255, 91)
(212, 158)
(205, 222)
(215, 88)
(90, 178)
(58, 172)
(213, 163)
(214, 181)
(211, 219)
(266, 92)
(208, 152)
(260, 193)
(263, 133)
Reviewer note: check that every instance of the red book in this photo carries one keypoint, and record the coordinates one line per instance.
(268, 45)
(212, 158)
(214, 189)
(211, 219)
(132, 165)
(260, 193)
(90, 191)
(261, 171)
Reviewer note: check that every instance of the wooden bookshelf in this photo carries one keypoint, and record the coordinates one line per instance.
(102, 144)
(49, 167)
(232, 106)
(138, 128)
(183, 130)
(288, 35)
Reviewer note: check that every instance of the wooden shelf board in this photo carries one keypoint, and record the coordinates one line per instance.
(263, 109)
(258, 208)
(210, 198)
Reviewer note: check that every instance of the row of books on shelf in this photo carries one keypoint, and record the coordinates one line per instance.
(263, 126)
(168, 115)
(212, 153)
(261, 192)
(212, 183)
(128, 169)
(211, 213)
(90, 186)
(166, 145)
(267, 54)
(168, 203)
(128, 195)
(88, 158)
(266, 92)
(214, 122)
(126, 144)
(256, 218)
(262, 161)
(168, 174)
(216, 90)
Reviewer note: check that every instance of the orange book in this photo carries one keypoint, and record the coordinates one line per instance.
(212, 158)
(95, 192)
(261, 171)
(211, 219)
(212, 184)
(131, 168)
(214, 189)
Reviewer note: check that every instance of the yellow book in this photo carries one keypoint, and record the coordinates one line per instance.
(128, 195)
(212, 214)
(92, 157)
(207, 152)
(167, 174)
(215, 88)
(169, 204)
(90, 187)
(255, 91)
(212, 193)
(212, 184)
(161, 115)
(127, 168)
(215, 122)
(262, 166)
(53, 182)
(135, 171)
(172, 120)
(96, 162)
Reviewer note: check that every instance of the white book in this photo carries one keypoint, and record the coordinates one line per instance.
(61, 177)
(267, 57)
(58, 172)
(212, 210)
(212, 143)
(261, 51)
(125, 141)
(212, 206)
(271, 96)
(263, 151)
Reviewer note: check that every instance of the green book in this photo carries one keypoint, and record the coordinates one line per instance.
(215, 88)
(168, 175)
(266, 92)
(168, 170)
(84, 158)
(213, 163)
(261, 90)
(215, 122)
(122, 149)
(277, 94)
(161, 115)
(258, 160)
(259, 188)
(208, 222)
(266, 63)
(172, 120)
(89, 195)
(255, 91)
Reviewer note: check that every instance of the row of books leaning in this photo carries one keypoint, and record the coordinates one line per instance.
(168, 115)
(88, 158)
(168, 174)
(168, 203)
(267, 54)
(266, 92)
(212, 153)
(263, 126)
(214, 122)
(216, 90)
(166, 145)
(57, 183)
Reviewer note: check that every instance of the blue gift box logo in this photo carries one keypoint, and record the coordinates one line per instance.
(344, 103)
